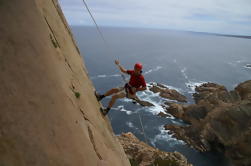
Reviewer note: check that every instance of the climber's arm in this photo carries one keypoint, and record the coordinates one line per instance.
(121, 68)
(143, 85)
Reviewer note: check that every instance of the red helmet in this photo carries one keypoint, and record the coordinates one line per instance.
(138, 66)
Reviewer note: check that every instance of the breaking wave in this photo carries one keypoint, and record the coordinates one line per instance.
(165, 136)
(122, 109)
(130, 124)
(192, 85)
(183, 71)
(153, 70)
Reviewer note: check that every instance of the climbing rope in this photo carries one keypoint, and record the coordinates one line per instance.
(142, 127)
(107, 45)
(102, 36)
(97, 27)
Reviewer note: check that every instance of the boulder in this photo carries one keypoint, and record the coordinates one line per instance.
(212, 93)
(176, 110)
(244, 90)
(167, 93)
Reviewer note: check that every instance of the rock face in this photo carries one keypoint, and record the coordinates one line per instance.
(43, 122)
(144, 103)
(167, 93)
(162, 114)
(175, 109)
(244, 90)
(220, 120)
(141, 154)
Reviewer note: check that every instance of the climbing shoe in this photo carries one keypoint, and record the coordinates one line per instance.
(134, 102)
(98, 96)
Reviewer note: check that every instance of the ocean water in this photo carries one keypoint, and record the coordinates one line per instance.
(179, 60)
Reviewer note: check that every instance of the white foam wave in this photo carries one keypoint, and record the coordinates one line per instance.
(130, 124)
(135, 128)
(127, 100)
(178, 122)
(235, 63)
(153, 70)
(192, 85)
(183, 71)
(146, 94)
(104, 76)
(155, 99)
(231, 63)
(156, 109)
(164, 136)
(122, 109)
(151, 97)
(239, 61)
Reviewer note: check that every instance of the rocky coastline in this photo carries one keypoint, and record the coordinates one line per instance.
(219, 120)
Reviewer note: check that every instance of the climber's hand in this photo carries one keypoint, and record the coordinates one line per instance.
(117, 62)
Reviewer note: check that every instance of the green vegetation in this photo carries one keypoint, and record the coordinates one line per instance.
(77, 94)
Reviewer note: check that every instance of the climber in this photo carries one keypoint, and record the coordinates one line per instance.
(136, 83)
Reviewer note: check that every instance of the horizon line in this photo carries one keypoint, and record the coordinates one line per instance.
(180, 30)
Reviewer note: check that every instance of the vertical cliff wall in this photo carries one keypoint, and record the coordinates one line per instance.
(42, 122)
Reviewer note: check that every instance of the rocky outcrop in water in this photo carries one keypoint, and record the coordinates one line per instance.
(167, 93)
(141, 154)
(219, 120)
(143, 103)
(248, 66)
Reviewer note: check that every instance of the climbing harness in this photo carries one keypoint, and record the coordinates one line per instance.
(108, 48)
(128, 89)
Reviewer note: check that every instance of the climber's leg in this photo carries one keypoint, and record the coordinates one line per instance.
(112, 101)
(108, 93)
(112, 91)
(115, 97)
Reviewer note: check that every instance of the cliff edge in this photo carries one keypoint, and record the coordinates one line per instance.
(49, 115)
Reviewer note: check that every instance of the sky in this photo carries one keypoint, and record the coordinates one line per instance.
(214, 16)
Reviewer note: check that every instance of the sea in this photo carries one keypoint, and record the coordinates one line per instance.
(179, 60)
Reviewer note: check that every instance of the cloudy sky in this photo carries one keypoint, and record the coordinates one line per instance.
(217, 16)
